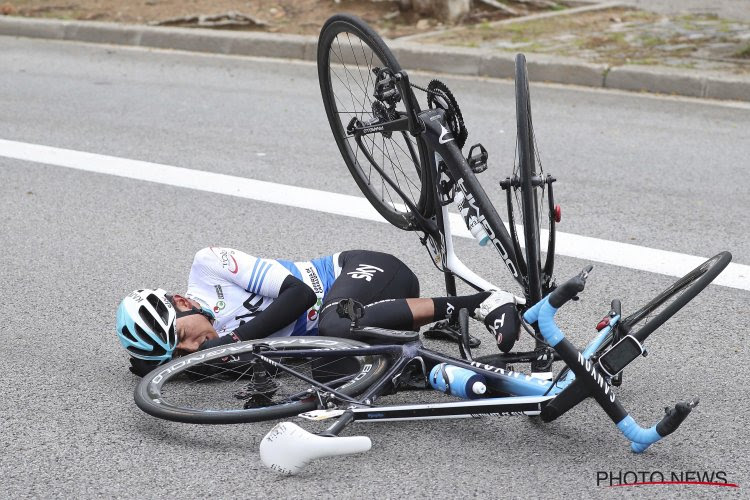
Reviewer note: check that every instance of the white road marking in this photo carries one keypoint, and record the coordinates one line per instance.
(571, 245)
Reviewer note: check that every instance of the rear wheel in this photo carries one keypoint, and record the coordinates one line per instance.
(229, 384)
(351, 56)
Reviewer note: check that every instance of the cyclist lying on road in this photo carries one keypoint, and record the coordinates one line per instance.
(232, 296)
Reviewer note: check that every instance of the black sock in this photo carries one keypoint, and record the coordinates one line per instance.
(448, 307)
(393, 314)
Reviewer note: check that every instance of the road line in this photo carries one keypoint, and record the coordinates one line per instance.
(571, 245)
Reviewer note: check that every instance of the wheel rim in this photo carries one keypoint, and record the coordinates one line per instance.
(649, 317)
(183, 391)
(352, 85)
(539, 220)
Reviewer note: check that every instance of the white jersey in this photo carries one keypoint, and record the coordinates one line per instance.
(237, 287)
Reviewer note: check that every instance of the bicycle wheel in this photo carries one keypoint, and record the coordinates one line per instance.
(205, 388)
(662, 307)
(528, 196)
(350, 56)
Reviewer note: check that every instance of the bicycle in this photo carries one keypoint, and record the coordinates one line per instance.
(321, 378)
(325, 378)
(408, 163)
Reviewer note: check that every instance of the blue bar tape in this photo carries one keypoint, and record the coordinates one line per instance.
(641, 438)
(532, 314)
(547, 326)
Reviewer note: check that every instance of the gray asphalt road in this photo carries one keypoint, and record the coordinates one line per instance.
(660, 172)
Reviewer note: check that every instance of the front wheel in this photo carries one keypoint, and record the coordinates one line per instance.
(648, 318)
(528, 195)
(658, 310)
(229, 384)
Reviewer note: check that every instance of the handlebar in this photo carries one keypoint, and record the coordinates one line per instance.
(589, 381)
(643, 438)
(569, 289)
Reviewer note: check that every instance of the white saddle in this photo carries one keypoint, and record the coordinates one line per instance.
(287, 448)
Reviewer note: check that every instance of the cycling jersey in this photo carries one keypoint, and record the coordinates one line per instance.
(237, 287)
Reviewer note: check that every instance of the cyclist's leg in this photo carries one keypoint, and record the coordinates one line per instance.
(390, 292)
(370, 277)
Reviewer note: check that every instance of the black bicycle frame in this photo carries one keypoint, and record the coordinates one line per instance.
(500, 380)
(442, 146)
(442, 152)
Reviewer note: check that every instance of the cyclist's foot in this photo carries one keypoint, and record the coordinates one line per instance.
(412, 379)
(441, 331)
(500, 316)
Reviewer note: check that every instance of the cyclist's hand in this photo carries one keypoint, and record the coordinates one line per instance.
(504, 323)
(140, 367)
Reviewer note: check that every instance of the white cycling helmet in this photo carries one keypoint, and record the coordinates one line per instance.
(146, 325)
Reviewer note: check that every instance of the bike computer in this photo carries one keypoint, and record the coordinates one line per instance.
(620, 355)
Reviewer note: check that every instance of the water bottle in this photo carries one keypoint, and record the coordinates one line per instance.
(462, 382)
(470, 218)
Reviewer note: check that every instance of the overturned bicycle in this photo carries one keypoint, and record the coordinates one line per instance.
(408, 162)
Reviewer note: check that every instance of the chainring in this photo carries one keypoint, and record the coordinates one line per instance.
(440, 96)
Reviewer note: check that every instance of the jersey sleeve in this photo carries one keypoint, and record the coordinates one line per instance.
(256, 275)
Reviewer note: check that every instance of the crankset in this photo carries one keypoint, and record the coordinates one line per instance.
(440, 96)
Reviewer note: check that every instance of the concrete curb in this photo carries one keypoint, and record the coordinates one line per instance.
(438, 58)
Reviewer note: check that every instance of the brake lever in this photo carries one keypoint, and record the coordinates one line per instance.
(584, 274)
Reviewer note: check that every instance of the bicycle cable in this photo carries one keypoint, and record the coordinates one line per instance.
(554, 382)
(529, 330)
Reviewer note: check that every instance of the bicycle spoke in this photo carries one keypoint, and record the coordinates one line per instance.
(392, 175)
(340, 57)
(346, 74)
(359, 70)
(203, 389)
(408, 181)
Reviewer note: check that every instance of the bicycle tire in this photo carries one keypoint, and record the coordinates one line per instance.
(662, 307)
(526, 171)
(158, 392)
(658, 310)
(399, 151)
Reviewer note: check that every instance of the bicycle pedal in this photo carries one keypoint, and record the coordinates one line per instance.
(477, 162)
(411, 381)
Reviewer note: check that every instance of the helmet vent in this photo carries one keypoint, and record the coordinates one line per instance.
(151, 323)
(126, 333)
(159, 307)
(157, 349)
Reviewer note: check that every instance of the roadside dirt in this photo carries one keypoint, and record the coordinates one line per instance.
(276, 16)
(614, 36)
(619, 36)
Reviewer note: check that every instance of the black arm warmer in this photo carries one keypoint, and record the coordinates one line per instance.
(294, 298)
